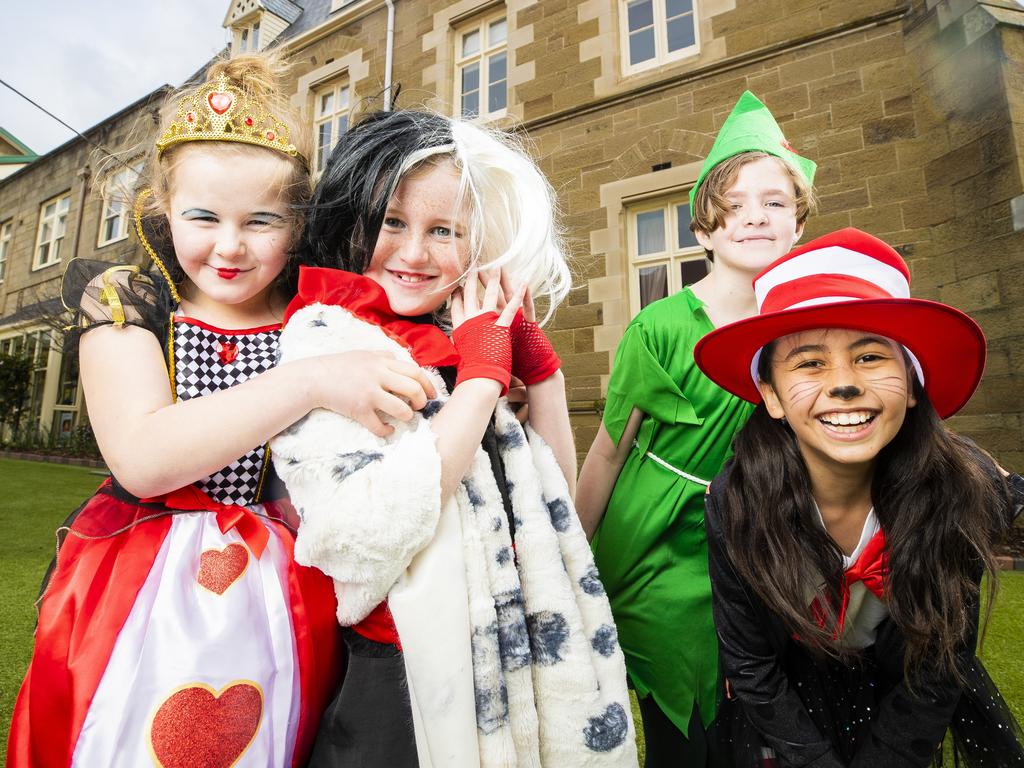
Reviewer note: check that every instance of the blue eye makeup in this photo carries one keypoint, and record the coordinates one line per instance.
(197, 213)
(266, 217)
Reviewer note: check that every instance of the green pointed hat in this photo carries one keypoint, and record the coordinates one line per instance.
(751, 128)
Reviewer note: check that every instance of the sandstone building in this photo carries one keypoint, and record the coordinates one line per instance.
(913, 110)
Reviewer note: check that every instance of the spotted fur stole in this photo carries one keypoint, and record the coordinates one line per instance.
(511, 654)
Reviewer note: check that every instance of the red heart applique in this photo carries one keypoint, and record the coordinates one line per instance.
(219, 569)
(197, 726)
(227, 352)
(220, 102)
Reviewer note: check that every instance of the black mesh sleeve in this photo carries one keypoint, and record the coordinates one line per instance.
(99, 293)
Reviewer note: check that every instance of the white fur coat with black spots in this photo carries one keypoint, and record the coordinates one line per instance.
(511, 654)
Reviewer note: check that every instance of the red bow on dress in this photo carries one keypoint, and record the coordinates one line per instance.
(252, 530)
(367, 300)
(870, 567)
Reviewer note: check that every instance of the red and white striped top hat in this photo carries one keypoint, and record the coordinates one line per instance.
(849, 279)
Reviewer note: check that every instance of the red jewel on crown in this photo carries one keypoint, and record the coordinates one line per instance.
(220, 102)
(248, 121)
(271, 136)
(227, 352)
(191, 117)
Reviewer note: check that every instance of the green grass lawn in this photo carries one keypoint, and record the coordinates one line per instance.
(37, 497)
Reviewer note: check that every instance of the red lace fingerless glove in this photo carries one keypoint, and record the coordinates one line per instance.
(485, 350)
(533, 357)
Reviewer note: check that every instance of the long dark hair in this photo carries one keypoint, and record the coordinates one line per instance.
(347, 210)
(940, 501)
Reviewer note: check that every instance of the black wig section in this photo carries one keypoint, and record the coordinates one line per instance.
(348, 206)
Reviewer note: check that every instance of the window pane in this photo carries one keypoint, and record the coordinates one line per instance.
(326, 103)
(45, 234)
(684, 237)
(68, 387)
(692, 271)
(641, 14)
(497, 97)
(323, 144)
(680, 33)
(497, 66)
(471, 78)
(63, 424)
(676, 7)
(110, 231)
(49, 210)
(497, 91)
(342, 124)
(641, 46)
(63, 204)
(650, 232)
(498, 32)
(653, 284)
(471, 104)
(471, 43)
(343, 98)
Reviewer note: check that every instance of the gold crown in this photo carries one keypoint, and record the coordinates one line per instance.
(221, 112)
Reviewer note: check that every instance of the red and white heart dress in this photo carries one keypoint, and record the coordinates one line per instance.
(178, 631)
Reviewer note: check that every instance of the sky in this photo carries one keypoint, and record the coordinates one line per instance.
(85, 60)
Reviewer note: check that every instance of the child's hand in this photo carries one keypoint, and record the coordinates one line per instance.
(481, 335)
(497, 298)
(368, 385)
(533, 357)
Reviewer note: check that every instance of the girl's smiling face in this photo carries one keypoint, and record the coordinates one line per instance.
(423, 246)
(844, 393)
(230, 223)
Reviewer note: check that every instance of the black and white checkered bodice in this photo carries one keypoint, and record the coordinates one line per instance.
(206, 360)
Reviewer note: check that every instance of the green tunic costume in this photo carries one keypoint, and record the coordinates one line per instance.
(650, 548)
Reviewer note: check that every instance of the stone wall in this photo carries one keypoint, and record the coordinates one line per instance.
(73, 167)
(913, 110)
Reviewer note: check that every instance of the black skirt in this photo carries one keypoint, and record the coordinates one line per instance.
(369, 721)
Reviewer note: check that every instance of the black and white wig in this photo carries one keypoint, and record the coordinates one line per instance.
(511, 204)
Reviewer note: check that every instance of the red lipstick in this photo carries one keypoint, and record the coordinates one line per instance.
(228, 274)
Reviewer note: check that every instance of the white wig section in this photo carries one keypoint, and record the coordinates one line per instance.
(512, 212)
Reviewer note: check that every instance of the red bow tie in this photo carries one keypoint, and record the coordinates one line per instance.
(870, 567)
(252, 530)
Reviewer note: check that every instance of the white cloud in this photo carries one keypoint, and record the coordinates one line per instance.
(86, 61)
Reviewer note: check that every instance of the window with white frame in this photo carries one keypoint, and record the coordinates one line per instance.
(481, 68)
(656, 32)
(116, 216)
(248, 38)
(5, 246)
(664, 255)
(53, 217)
(330, 118)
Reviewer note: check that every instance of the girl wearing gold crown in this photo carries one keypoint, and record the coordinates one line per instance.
(175, 626)
(848, 537)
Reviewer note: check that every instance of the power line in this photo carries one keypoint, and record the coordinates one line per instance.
(70, 128)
